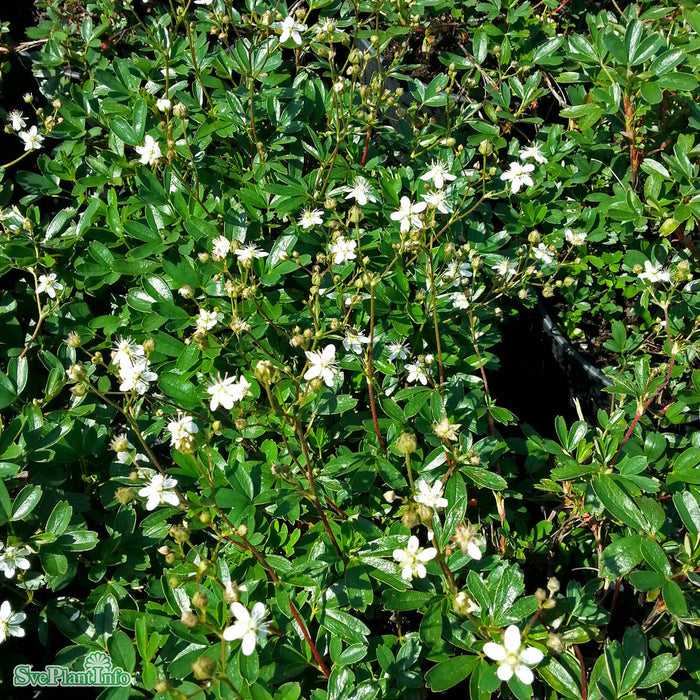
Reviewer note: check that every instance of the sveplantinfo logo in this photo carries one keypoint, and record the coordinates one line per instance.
(98, 670)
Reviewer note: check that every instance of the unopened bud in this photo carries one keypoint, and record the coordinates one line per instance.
(189, 619)
(124, 495)
(410, 519)
(203, 668)
(407, 443)
(200, 600)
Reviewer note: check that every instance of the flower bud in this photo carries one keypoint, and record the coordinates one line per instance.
(180, 111)
(534, 237)
(410, 519)
(555, 643)
(179, 533)
(124, 495)
(78, 390)
(73, 340)
(486, 148)
(407, 443)
(266, 373)
(553, 585)
(173, 582)
(200, 600)
(389, 496)
(97, 358)
(189, 619)
(76, 372)
(149, 345)
(203, 668)
(170, 558)
(541, 595)
(162, 686)
(242, 531)
(203, 257)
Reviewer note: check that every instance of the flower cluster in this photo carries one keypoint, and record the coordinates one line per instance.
(227, 391)
(133, 366)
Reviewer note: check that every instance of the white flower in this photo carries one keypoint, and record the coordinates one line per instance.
(150, 151)
(182, 430)
(446, 430)
(16, 119)
(458, 272)
(543, 253)
(460, 300)
(430, 496)
(654, 273)
(519, 175)
(437, 200)
(127, 353)
(121, 445)
(32, 139)
(136, 377)
(533, 153)
(505, 268)
(575, 237)
(227, 391)
(249, 627)
(354, 340)
(221, 247)
(512, 658)
(417, 373)
(246, 253)
(360, 191)
(408, 214)
(48, 284)
(412, 560)
(398, 350)
(343, 249)
(327, 25)
(466, 538)
(159, 490)
(10, 622)
(323, 365)
(13, 558)
(207, 320)
(311, 217)
(289, 28)
(203, 2)
(163, 104)
(239, 325)
(438, 173)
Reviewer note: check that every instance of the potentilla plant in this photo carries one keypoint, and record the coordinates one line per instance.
(249, 446)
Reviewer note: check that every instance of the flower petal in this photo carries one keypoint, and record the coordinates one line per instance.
(531, 656)
(524, 674)
(511, 639)
(505, 672)
(494, 651)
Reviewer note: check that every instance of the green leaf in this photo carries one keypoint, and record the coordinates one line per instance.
(666, 62)
(53, 560)
(689, 510)
(655, 557)
(620, 557)
(678, 81)
(405, 600)
(124, 131)
(659, 669)
(618, 503)
(25, 501)
(647, 580)
(450, 672)
(359, 586)
(342, 624)
(351, 655)
(484, 478)
(431, 624)
(558, 677)
(673, 597)
(121, 651)
(181, 390)
(59, 518)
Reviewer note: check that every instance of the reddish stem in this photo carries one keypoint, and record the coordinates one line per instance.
(641, 412)
(364, 153)
(309, 641)
(584, 687)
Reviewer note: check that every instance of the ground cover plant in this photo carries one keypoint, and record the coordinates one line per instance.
(259, 264)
